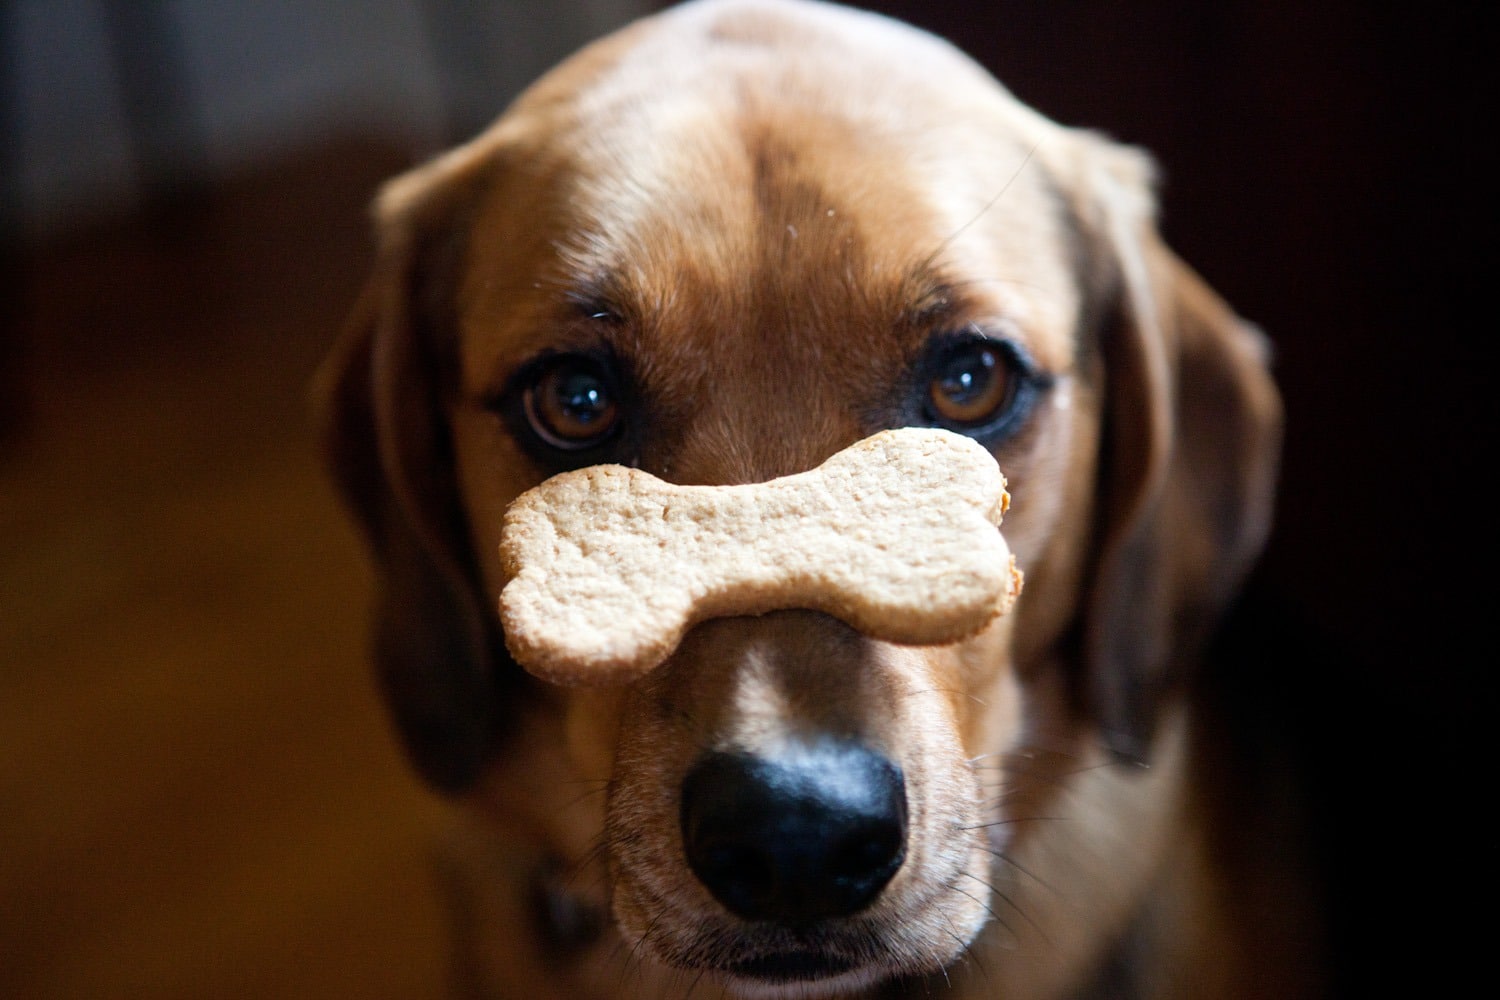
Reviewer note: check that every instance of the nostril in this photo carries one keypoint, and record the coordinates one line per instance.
(866, 850)
(814, 832)
(741, 876)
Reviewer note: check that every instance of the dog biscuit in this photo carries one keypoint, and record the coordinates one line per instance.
(607, 567)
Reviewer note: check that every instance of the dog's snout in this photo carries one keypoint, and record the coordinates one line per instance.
(812, 833)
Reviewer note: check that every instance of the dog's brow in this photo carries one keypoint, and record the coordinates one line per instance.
(931, 300)
(597, 297)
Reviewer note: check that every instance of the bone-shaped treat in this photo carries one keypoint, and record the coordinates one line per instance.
(607, 567)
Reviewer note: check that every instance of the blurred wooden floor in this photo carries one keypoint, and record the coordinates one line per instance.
(199, 794)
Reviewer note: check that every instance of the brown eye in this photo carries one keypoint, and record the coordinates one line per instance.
(971, 388)
(571, 403)
(976, 382)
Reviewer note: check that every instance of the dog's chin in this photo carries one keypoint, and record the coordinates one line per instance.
(797, 975)
(781, 964)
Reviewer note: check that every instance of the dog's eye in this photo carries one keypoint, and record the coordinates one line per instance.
(571, 403)
(971, 386)
(977, 385)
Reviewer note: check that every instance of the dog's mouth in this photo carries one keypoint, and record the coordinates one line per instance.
(792, 966)
(761, 960)
(831, 965)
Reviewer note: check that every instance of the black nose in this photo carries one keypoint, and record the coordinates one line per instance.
(815, 832)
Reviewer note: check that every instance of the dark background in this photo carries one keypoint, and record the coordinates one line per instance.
(1328, 167)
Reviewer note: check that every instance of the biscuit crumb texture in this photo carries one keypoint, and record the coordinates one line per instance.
(607, 567)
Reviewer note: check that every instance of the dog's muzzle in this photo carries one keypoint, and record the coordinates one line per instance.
(811, 834)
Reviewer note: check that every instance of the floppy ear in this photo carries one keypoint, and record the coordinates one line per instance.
(388, 444)
(1191, 445)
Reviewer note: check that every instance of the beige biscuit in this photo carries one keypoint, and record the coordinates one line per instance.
(607, 567)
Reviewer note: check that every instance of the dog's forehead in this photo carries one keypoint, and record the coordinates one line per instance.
(704, 110)
(745, 157)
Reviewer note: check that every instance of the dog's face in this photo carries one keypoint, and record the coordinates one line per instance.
(722, 246)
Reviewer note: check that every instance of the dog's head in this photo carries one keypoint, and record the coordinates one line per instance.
(721, 246)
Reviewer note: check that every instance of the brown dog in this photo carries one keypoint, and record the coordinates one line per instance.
(722, 245)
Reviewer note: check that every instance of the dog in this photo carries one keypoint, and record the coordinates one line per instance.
(721, 245)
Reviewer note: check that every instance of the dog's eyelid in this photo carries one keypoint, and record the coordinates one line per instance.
(509, 377)
(1000, 335)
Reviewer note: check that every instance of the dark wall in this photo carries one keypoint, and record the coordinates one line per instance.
(1330, 168)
